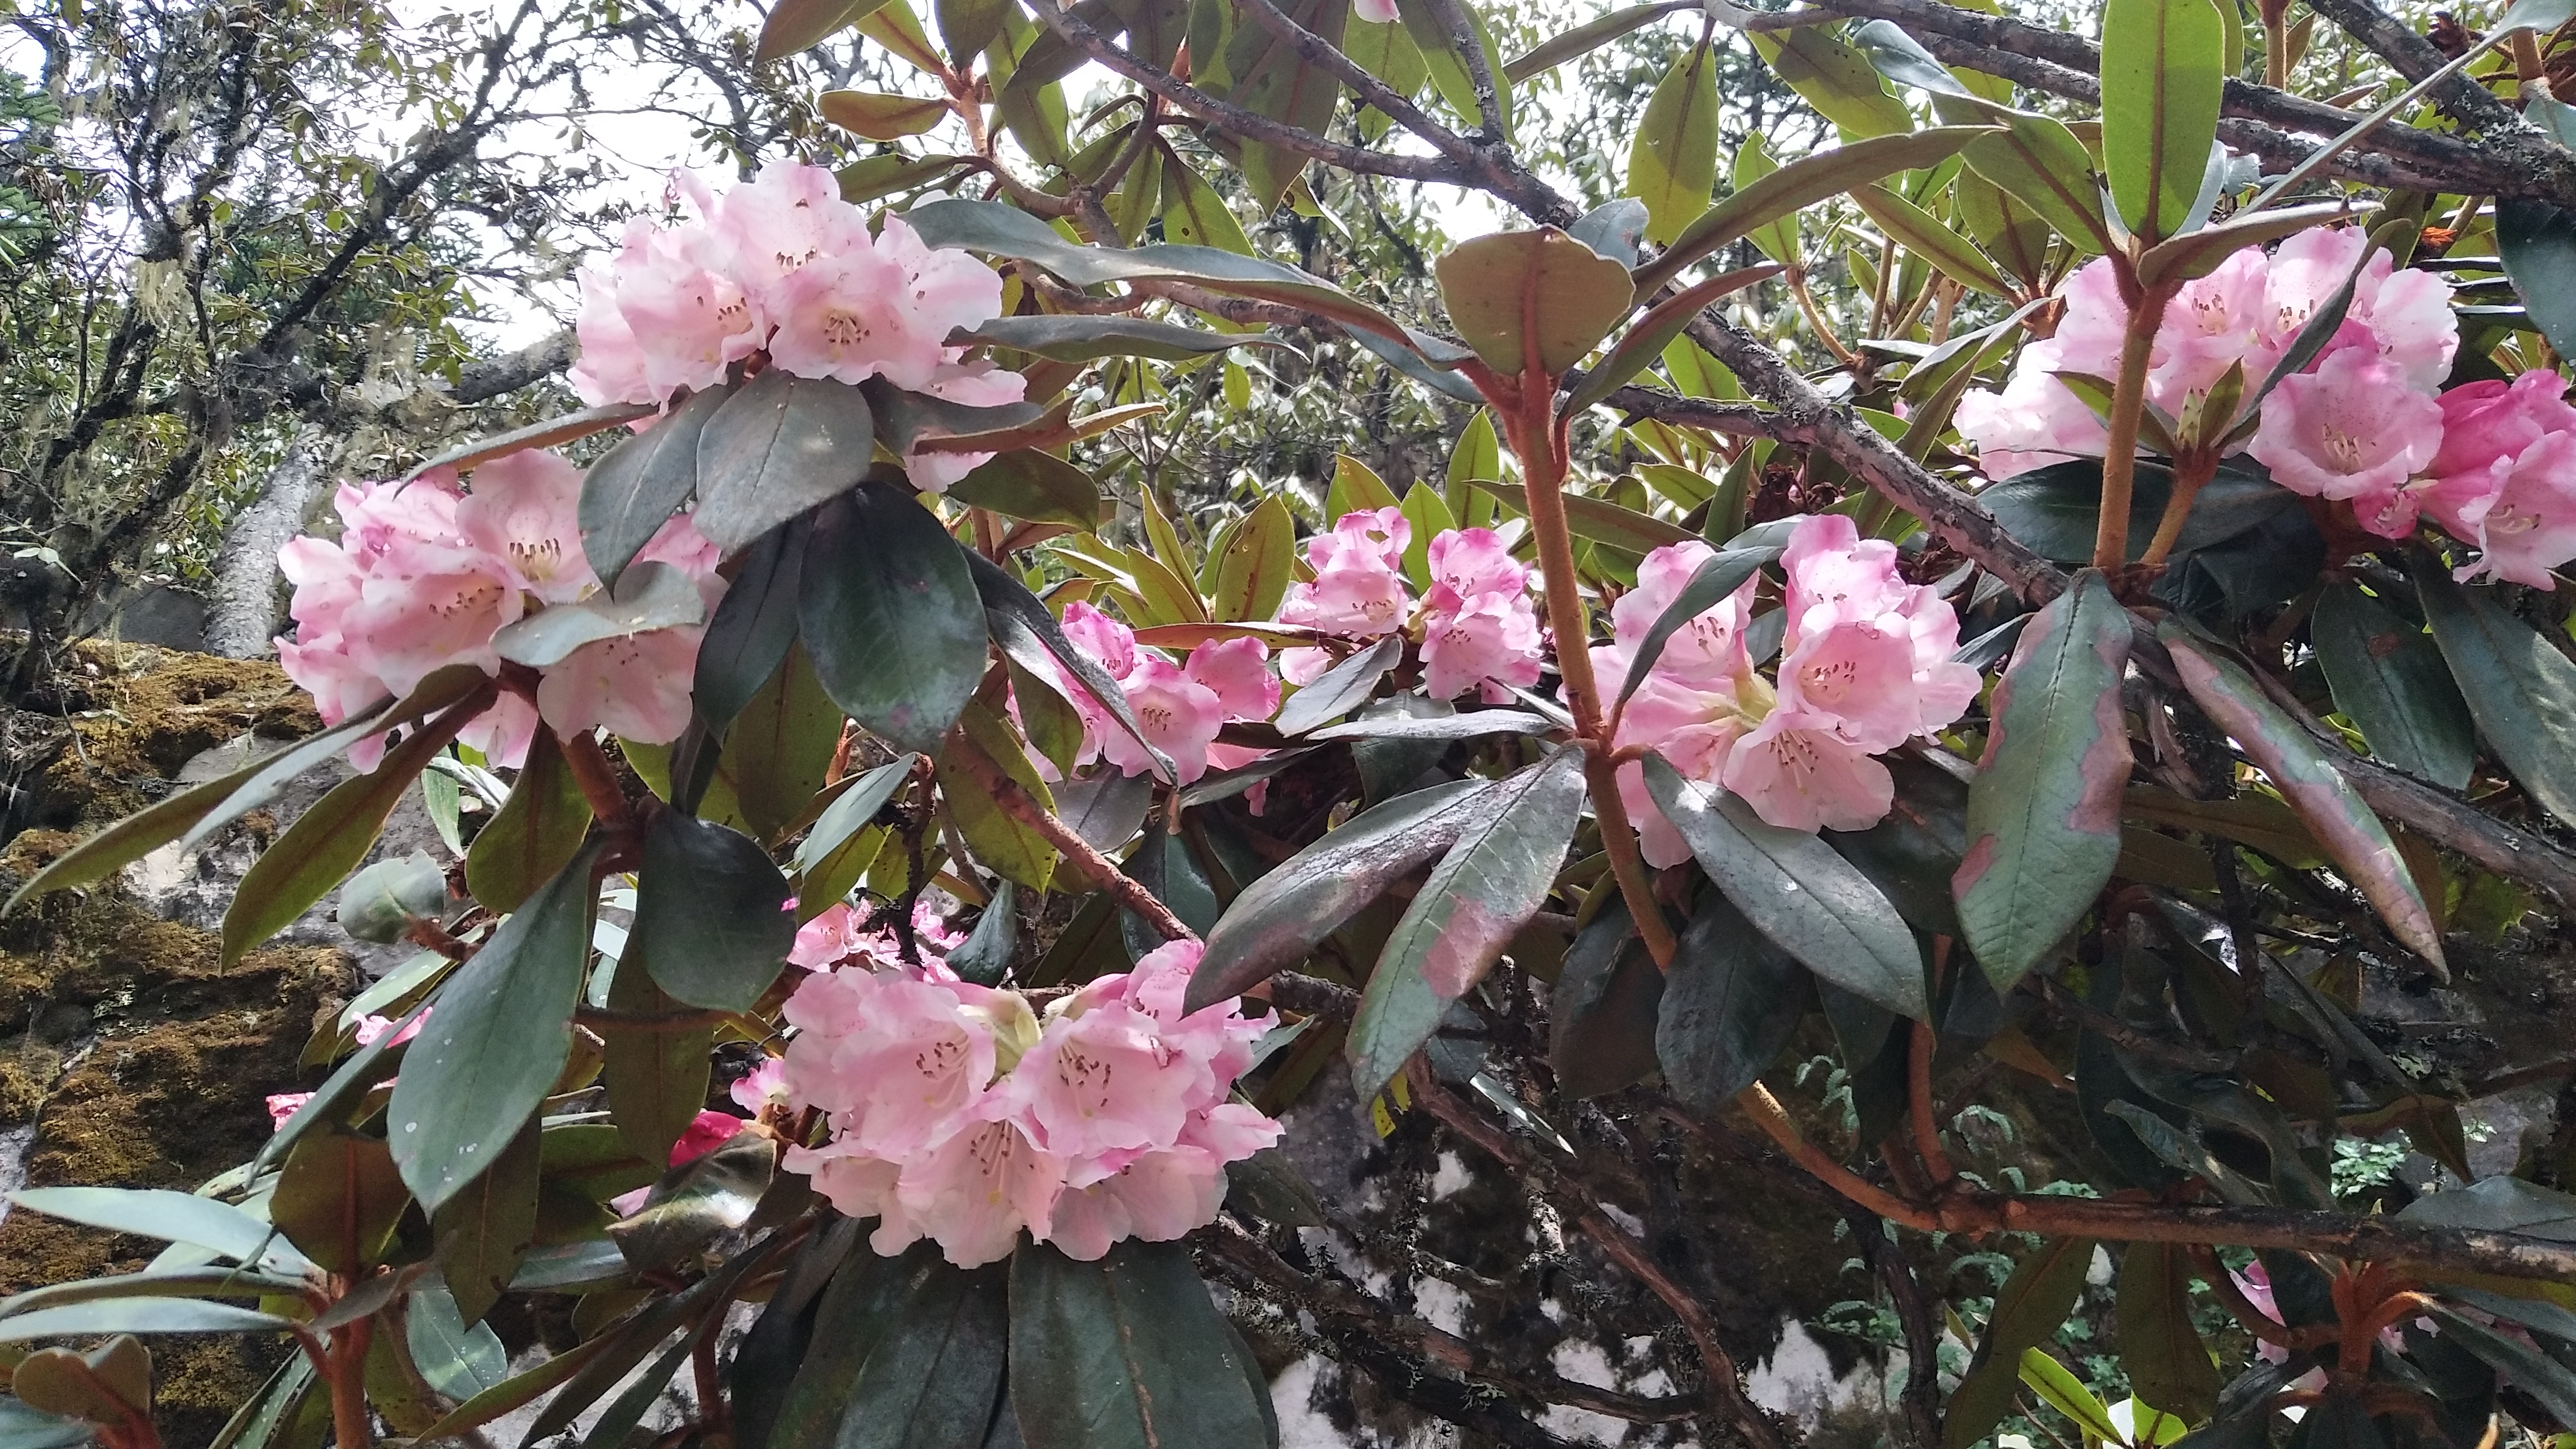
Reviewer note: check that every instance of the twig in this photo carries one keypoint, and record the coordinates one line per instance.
(1726, 1384)
(1081, 854)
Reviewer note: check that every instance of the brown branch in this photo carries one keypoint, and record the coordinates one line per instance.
(1331, 1297)
(1724, 1382)
(1081, 854)
(1237, 121)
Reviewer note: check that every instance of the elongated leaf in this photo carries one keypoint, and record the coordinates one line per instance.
(1801, 184)
(2037, 161)
(2044, 810)
(777, 751)
(647, 596)
(852, 810)
(534, 832)
(1086, 339)
(1000, 841)
(1282, 916)
(2198, 253)
(1672, 160)
(497, 1040)
(776, 448)
(934, 1378)
(1472, 724)
(1731, 1002)
(1017, 618)
(132, 838)
(1127, 1353)
(1601, 521)
(1340, 689)
(484, 1232)
(339, 1199)
(2534, 1372)
(656, 1080)
(139, 1315)
(1602, 1011)
(1836, 78)
(2521, 691)
(879, 570)
(1480, 894)
(1273, 79)
(178, 1217)
(2333, 808)
(1258, 564)
(795, 25)
(2066, 1393)
(267, 780)
(753, 628)
(1929, 237)
(710, 913)
(1535, 298)
(550, 433)
(628, 495)
(1797, 891)
(327, 841)
(877, 116)
(2028, 1308)
(1583, 39)
(1715, 580)
(2161, 78)
(2166, 1362)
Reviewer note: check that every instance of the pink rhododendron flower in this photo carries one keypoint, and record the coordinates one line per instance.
(761, 1090)
(958, 1114)
(781, 265)
(2245, 314)
(2527, 524)
(2350, 430)
(369, 1029)
(1358, 589)
(1376, 12)
(1180, 707)
(635, 685)
(525, 510)
(1866, 666)
(1479, 628)
(282, 1107)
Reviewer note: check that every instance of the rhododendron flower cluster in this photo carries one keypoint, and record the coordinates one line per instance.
(783, 269)
(840, 933)
(1478, 628)
(961, 1113)
(423, 576)
(1865, 666)
(2493, 463)
(2248, 312)
(1180, 706)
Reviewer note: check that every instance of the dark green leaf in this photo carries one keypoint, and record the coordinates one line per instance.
(1039, 487)
(534, 832)
(656, 1080)
(1601, 1014)
(483, 1232)
(880, 569)
(1340, 689)
(1583, 39)
(776, 448)
(1282, 916)
(338, 1199)
(698, 1202)
(2333, 808)
(710, 913)
(1272, 78)
(1492, 880)
(628, 495)
(1731, 1002)
(1912, 853)
(497, 1040)
(172, 1216)
(2389, 679)
(2533, 1372)
(753, 627)
(2028, 1308)
(2166, 1362)
(2037, 161)
(2053, 510)
(2537, 242)
(549, 433)
(1601, 521)
(1126, 1353)
(138, 1315)
(1797, 891)
(1258, 564)
(778, 749)
(1006, 598)
(2044, 810)
(648, 596)
(2521, 691)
